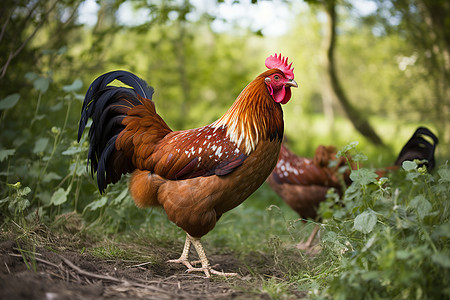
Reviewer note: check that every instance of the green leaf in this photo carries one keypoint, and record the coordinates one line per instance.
(59, 197)
(412, 176)
(120, 197)
(409, 165)
(23, 192)
(422, 206)
(330, 236)
(97, 204)
(347, 148)
(57, 106)
(22, 204)
(442, 259)
(403, 254)
(51, 176)
(370, 275)
(369, 243)
(359, 157)
(363, 176)
(40, 145)
(73, 150)
(41, 84)
(365, 222)
(442, 231)
(31, 76)
(444, 173)
(9, 102)
(5, 153)
(75, 86)
(352, 192)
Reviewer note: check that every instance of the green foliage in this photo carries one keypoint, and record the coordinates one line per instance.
(9, 102)
(388, 238)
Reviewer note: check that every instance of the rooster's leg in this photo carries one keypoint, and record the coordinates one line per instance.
(184, 256)
(204, 260)
(306, 245)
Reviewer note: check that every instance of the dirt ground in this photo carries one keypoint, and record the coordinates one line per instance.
(56, 269)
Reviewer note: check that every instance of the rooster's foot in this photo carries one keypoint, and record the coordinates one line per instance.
(209, 270)
(181, 261)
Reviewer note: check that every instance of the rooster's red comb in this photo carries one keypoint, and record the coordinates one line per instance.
(281, 63)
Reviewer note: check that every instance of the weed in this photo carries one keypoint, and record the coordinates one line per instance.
(387, 240)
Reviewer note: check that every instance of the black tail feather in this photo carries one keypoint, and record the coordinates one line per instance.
(418, 147)
(107, 106)
(100, 84)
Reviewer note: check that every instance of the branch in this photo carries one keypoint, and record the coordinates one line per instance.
(359, 122)
(110, 278)
(2, 33)
(12, 55)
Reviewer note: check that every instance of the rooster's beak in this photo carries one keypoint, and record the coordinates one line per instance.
(291, 83)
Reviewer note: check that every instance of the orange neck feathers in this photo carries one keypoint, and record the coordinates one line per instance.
(254, 116)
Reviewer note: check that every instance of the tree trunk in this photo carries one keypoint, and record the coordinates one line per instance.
(356, 117)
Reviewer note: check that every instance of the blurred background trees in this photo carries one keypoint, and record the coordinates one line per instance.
(370, 71)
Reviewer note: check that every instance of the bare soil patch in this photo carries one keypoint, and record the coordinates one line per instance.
(59, 267)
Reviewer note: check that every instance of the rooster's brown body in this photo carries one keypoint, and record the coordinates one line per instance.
(195, 175)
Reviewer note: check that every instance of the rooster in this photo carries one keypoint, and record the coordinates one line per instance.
(195, 175)
(304, 182)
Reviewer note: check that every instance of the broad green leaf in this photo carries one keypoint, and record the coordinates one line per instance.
(442, 259)
(369, 243)
(444, 173)
(403, 254)
(59, 197)
(31, 76)
(330, 236)
(120, 197)
(57, 106)
(412, 176)
(97, 204)
(75, 86)
(9, 102)
(442, 231)
(41, 84)
(363, 176)
(25, 191)
(38, 117)
(50, 176)
(44, 196)
(352, 192)
(22, 204)
(347, 148)
(365, 222)
(359, 157)
(73, 150)
(422, 206)
(371, 275)
(5, 153)
(409, 165)
(40, 145)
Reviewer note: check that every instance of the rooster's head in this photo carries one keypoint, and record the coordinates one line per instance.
(279, 84)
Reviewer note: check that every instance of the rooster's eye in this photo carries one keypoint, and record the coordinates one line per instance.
(276, 77)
